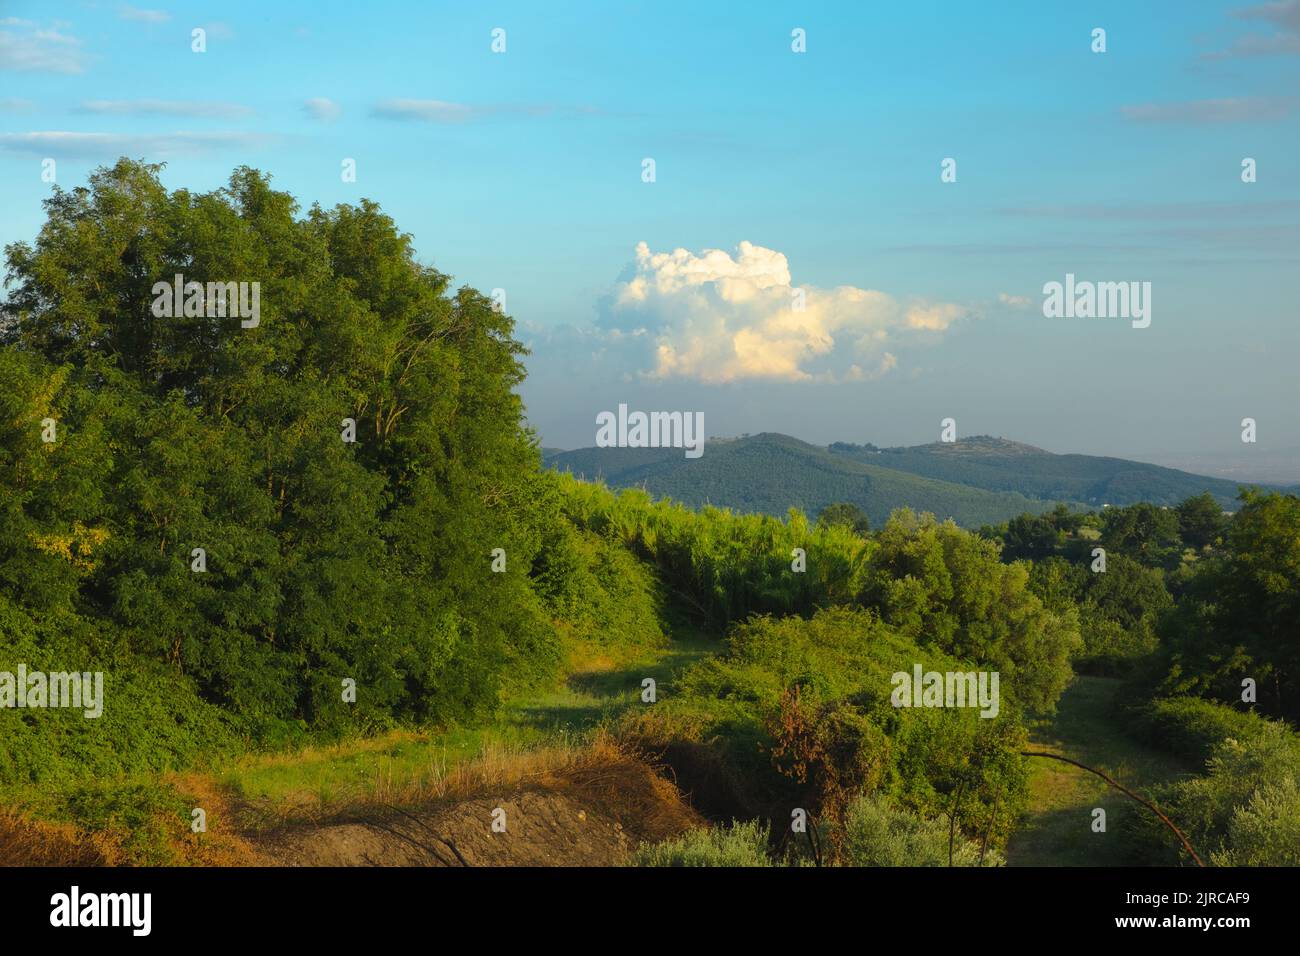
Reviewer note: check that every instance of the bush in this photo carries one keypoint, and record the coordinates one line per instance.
(741, 844)
(877, 834)
(1266, 831)
(152, 718)
(1110, 648)
(1192, 728)
(845, 732)
(1244, 811)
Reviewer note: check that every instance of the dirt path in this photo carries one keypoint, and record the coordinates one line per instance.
(1057, 831)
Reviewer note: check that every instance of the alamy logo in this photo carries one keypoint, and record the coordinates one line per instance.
(134, 910)
(1098, 300)
(37, 689)
(653, 430)
(215, 300)
(950, 689)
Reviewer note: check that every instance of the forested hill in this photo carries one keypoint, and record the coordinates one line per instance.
(996, 464)
(975, 481)
(770, 473)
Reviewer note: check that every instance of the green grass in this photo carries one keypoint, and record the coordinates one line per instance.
(1057, 831)
(608, 683)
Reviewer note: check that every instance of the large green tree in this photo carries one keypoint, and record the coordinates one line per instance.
(1239, 614)
(326, 560)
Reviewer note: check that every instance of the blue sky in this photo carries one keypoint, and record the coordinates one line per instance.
(522, 171)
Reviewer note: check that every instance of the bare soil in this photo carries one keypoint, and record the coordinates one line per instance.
(588, 816)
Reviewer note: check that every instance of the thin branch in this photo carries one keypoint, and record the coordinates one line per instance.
(992, 822)
(814, 840)
(1123, 789)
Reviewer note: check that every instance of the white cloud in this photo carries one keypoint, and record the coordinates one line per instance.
(1015, 301)
(27, 48)
(323, 108)
(443, 111)
(1282, 18)
(1243, 109)
(128, 12)
(717, 318)
(188, 108)
(433, 111)
(96, 145)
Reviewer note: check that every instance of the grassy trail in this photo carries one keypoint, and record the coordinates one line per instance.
(605, 684)
(1057, 831)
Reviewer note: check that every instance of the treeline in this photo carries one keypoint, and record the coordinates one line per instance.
(1200, 599)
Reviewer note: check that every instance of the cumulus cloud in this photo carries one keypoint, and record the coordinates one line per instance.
(718, 318)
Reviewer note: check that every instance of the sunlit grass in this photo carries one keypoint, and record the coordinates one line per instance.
(314, 780)
(1058, 830)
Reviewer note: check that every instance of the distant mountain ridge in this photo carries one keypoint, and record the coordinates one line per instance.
(979, 480)
(997, 464)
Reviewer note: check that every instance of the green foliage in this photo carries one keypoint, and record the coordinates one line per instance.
(846, 515)
(1201, 521)
(946, 588)
(325, 560)
(1059, 583)
(142, 818)
(1237, 616)
(842, 661)
(1145, 532)
(598, 588)
(741, 844)
(877, 834)
(153, 719)
(1118, 609)
(1245, 811)
(1193, 728)
(1028, 536)
(720, 566)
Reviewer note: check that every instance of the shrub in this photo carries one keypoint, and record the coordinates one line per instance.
(1192, 728)
(845, 733)
(876, 834)
(1244, 811)
(1266, 831)
(741, 844)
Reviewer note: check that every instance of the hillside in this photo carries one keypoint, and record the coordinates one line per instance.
(771, 473)
(996, 464)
